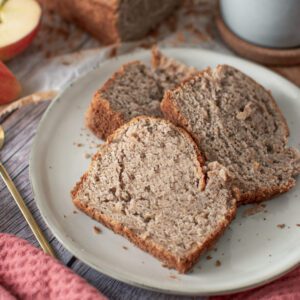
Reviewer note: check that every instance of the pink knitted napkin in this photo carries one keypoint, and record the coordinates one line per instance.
(28, 273)
(285, 288)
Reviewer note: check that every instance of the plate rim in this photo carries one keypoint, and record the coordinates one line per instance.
(82, 256)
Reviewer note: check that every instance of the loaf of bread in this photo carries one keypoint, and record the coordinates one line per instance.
(147, 184)
(236, 122)
(113, 21)
(134, 90)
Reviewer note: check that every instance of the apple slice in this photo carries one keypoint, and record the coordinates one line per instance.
(19, 23)
(10, 87)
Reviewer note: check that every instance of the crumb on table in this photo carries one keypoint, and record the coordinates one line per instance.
(208, 257)
(125, 248)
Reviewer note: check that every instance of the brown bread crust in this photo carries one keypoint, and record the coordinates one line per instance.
(170, 261)
(266, 193)
(100, 118)
(182, 265)
(97, 17)
(172, 113)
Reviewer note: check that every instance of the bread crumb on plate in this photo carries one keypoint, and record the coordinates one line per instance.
(281, 226)
(87, 155)
(218, 263)
(255, 209)
(97, 230)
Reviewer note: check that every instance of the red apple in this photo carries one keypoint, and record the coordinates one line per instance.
(19, 23)
(10, 87)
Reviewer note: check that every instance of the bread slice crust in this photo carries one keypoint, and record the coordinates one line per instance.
(169, 260)
(181, 264)
(101, 119)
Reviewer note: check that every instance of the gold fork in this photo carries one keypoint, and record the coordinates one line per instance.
(22, 206)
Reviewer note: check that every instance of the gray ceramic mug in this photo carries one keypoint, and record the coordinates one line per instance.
(268, 23)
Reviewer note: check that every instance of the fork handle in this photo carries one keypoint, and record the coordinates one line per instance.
(26, 213)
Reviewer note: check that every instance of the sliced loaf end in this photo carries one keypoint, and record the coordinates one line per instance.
(136, 18)
(147, 184)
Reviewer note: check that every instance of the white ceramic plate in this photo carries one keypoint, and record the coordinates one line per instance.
(253, 251)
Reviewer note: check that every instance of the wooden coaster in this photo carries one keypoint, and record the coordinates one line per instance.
(266, 56)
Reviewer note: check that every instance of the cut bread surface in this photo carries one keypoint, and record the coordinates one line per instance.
(236, 122)
(130, 92)
(147, 184)
(137, 17)
(168, 71)
(134, 90)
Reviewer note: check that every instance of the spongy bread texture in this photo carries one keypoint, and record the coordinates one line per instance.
(236, 122)
(168, 71)
(130, 92)
(133, 90)
(147, 184)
